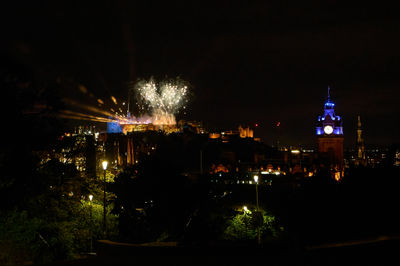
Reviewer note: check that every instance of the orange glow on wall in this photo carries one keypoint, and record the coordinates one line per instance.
(337, 176)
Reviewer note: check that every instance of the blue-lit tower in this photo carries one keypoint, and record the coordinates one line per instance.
(329, 124)
(329, 131)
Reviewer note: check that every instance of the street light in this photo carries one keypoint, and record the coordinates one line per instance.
(91, 223)
(258, 209)
(256, 179)
(104, 163)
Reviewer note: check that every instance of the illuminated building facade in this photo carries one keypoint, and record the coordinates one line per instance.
(127, 149)
(330, 138)
(229, 135)
(245, 132)
(78, 148)
(126, 127)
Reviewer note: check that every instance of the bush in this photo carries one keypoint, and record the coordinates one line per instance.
(244, 226)
(21, 241)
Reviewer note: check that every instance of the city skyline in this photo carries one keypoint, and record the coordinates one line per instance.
(258, 63)
(229, 132)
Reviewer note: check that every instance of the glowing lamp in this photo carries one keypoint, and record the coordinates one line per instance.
(90, 197)
(104, 163)
(256, 178)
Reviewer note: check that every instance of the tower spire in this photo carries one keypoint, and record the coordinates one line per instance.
(329, 93)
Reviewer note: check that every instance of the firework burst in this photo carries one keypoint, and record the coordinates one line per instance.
(163, 99)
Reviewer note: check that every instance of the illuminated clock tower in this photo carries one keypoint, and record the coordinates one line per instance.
(330, 137)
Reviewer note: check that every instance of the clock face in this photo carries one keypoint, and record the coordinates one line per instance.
(328, 130)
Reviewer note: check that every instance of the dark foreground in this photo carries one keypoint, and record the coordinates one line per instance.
(381, 251)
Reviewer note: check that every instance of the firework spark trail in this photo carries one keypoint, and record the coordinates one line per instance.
(114, 100)
(102, 115)
(86, 116)
(163, 99)
(75, 117)
(89, 108)
(108, 116)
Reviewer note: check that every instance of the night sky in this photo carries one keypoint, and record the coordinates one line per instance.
(247, 63)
